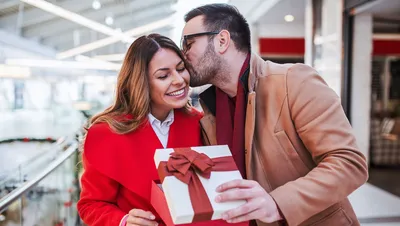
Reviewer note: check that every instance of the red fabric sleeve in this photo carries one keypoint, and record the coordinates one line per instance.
(97, 205)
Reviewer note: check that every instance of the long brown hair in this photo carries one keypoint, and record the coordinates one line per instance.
(132, 93)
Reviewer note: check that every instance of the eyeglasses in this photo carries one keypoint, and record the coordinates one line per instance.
(184, 44)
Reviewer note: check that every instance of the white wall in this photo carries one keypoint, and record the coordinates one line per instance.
(288, 30)
(329, 62)
(285, 30)
(308, 33)
(361, 83)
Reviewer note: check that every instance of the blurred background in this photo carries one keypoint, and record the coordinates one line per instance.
(59, 60)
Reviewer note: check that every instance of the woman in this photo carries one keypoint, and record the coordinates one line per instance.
(150, 111)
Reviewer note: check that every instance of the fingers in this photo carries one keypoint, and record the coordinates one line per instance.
(140, 221)
(242, 210)
(262, 208)
(257, 214)
(142, 214)
(236, 184)
(141, 217)
(236, 194)
(239, 190)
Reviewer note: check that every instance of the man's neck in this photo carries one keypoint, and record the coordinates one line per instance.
(229, 82)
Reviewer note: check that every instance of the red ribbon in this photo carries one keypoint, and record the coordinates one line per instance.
(185, 164)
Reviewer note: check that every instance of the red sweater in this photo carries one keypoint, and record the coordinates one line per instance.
(119, 168)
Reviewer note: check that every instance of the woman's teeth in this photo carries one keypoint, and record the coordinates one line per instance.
(176, 93)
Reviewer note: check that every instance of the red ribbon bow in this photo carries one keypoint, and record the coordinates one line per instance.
(185, 164)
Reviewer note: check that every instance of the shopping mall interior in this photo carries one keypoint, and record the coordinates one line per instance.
(60, 59)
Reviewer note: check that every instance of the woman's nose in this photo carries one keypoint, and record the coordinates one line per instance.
(178, 79)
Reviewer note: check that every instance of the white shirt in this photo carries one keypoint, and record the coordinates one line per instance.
(162, 128)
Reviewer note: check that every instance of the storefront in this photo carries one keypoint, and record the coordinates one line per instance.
(355, 45)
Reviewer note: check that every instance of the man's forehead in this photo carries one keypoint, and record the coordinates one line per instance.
(193, 26)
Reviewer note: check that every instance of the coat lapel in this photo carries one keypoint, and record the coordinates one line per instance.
(249, 128)
(208, 126)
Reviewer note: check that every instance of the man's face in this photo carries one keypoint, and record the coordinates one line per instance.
(200, 53)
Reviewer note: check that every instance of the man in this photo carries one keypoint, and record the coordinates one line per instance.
(285, 127)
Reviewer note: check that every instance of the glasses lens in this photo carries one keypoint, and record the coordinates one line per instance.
(183, 44)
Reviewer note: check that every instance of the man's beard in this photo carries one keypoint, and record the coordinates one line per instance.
(206, 68)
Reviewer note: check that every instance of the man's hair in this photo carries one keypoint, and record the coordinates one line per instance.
(218, 17)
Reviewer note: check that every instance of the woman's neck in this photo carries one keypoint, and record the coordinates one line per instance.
(161, 115)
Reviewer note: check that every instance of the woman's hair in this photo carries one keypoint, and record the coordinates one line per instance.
(132, 94)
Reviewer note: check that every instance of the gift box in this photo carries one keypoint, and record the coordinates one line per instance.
(188, 181)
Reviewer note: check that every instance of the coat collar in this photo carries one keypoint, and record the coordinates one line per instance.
(258, 68)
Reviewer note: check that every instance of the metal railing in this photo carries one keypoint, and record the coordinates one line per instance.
(47, 193)
(37, 161)
(6, 201)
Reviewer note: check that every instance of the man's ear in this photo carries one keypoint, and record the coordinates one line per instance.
(223, 41)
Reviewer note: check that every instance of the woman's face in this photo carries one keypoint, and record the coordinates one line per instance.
(169, 82)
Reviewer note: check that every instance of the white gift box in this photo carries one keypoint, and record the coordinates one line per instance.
(177, 193)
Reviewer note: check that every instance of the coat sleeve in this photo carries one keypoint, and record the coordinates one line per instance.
(97, 204)
(321, 124)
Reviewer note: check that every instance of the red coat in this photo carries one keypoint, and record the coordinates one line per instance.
(119, 168)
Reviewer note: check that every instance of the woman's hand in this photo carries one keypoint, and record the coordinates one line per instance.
(138, 217)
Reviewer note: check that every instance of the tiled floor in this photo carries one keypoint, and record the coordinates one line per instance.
(378, 203)
(374, 206)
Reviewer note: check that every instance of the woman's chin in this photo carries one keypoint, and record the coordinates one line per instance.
(181, 104)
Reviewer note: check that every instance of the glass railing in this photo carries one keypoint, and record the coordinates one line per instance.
(12, 177)
(45, 193)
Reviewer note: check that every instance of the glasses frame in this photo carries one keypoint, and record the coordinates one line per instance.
(186, 37)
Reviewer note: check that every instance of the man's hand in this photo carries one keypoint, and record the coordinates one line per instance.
(259, 205)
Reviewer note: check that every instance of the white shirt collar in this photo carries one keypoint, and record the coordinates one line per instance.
(166, 123)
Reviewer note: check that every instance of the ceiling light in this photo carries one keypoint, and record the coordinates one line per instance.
(96, 5)
(109, 20)
(289, 18)
(110, 40)
(51, 8)
(111, 57)
(82, 58)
